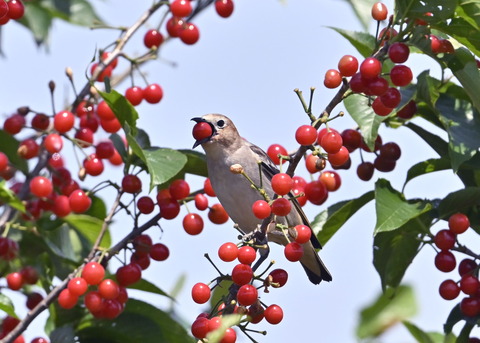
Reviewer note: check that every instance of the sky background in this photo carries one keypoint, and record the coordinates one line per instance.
(246, 67)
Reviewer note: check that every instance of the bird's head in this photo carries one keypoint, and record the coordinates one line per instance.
(214, 129)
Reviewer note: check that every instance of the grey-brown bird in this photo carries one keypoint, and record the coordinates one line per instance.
(224, 148)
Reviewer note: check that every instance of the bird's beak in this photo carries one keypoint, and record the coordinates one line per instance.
(206, 139)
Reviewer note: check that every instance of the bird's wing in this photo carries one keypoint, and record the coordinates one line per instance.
(269, 169)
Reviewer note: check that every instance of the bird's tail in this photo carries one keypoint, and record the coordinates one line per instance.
(313, 265)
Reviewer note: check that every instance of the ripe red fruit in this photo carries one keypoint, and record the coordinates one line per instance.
(408, 111)
(446, 46)
(316, 192)
(30, 275)
(303, 234)
(273, 314)
(93, 165)
(282, 183)
(201, 202)
(306, 135)
(169, 208)
(202, 130)
(445, 239)
(200, 293)
(376, 86)
(128, 274)
(370, 68)
(131, 184)
(145, 205)
(390, 150)
(384, 164)
(469, 284)
(105, 56)
(175, 26)
(391, 98)
(66, 299)
(16, 9)
(14, 124)
(470, 307)
(40, 186)
(61, 206)
(3, 9)
(224, 8)
(111, 309)
(77, 286)
(331, 142)
(199, 327)
(40, 122)
(230, 336)
(274, 150)
(217, 214)
(281, 207)
(332, 79)
(293, 251)
(242, 274)
(179, 189)
(106, 72)
(398, 52)
(379, 11)
(401, 75)
(466, 266)
(208, 189)
(190, 34)
(63, 121)
(142, 260)
(3, 161)
(228, 252)
(279, 277)
(181, 8)
(53, 143)
(449, 290)
(15, 281)
(79, 201)
(445, 261)
(84, 137)
(93, 273)
(348, 65)
(109, 289)
(339, 158)
(261, 209)
(152, 39)
(104, 111)
(458, 223)
(159, 252)
(111, 126)
(93, 301)
(193, 223)
(380, 109)
(134, 95)
(153, 93)
(331, 180)
(33, 299)
(247, 254)
(28, 149)
(247, 295)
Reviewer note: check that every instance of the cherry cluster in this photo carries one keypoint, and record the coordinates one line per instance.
(243, 297)
(9, 323)
(12, 9)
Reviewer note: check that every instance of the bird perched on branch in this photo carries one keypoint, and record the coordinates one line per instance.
(224, 147)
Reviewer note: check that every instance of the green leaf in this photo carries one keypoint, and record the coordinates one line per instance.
(89, 227)
(461, 121)
(7, 196)
(358, 107)
(97, 209)
(9, 146)
(435, 142)
(196, 163)
(139, 322)
(123, 109)
(464, 66)
(441, 9)
(464, 30)
(64, 243)
(6, 305)
(220, 292)
(362, 9)
(63, 334)
(453, 318)
(394, 251)
(392, 209)
(146, 286)
(459, 201)
(163, 164)
(228, 321)
(38, 19)
(428, 166)
(422, 336)
(363, 42)
(83, 14)
(390, 308)
(328, 222)
(464, 335)
(427, 89)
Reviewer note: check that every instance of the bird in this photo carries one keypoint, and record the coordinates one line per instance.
(225, 148)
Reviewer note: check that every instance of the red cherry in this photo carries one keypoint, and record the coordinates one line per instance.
(247, 254)
(152, 39)
(79, 201)
(111, 126)
(61, 206)
(339, 158)
(3, 161)
(128, 274)
(15, 281)
(247, 295)
(332, 79)
(370, 68)
(379, 11)
(28, 149)
(281, 207)
(273, 314)
(145, 205)
(201, 202)
(109, 289)
(458, 223)
(348, 65)
(181, 8)
(224, 8)
(401, 75)
(316, 192)
(40, 186)
(445, 261)
(104, 150)
(3, 9)
(261, 209)
(53, 143)
(179, 189)
(84, 137)
(384, 164)
(105, 56)
(77, 286)
(193, 224)
(331, 180)
(469, 284)
(449, 290)
(274, 150)
(390, 150)
(303, 234)
(134, 95)
(282, 183)
(159, 252)
(14, 124)
(104, 111)
(16, 9)
(93, 273)
(306, 135)
(408, 111)
(200, 293)
(208, 189)
(293, 251)
(93, 165)
(228, 252)
(93, 301)
(470, 307)
(175, 26)
(169, 208)
(202, 130)
(66, 299)
(398, 52)
(40, 122)
(230, 336)
(190, 34)
(279, 278)
(153, 93)
(131, 184)
(331, 142)
(377, 86)
(30, 275)
(199, 327)
(380, 109)
(466, 266)
(391, 98)
(217, 214)
(445, 239)
(33, 299)
(242, 274)
(106, 72)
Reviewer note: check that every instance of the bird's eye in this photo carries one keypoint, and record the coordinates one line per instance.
(220, 123)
